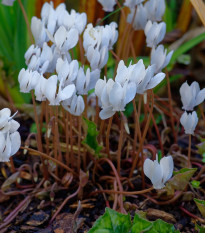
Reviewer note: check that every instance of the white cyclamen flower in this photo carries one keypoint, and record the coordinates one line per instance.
(97, 58)
(28, 80)
(132, 3)
(7, 124)
(191, 96)
(74, 105)
(86, 82)
(149, 81)
(189, 122)
(97, 41)
(114, 96)
(10, 140)
(160, 58)
(154, 33)
(140, 19)
(9, 145)
(159, 172)
(108, 5)
(72, 20)
(8, 2)
(38, 59)
(155, 9)
(63, 39)
(39, 32)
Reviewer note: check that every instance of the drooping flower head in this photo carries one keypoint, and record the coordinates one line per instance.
(191, 96)
(160, 58)
(159, 172)
(155, 33)
(189, 122)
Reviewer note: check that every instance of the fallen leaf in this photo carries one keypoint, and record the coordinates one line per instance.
(153, 214)
(38, 218)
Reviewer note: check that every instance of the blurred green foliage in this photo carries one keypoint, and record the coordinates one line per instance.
(14, 42)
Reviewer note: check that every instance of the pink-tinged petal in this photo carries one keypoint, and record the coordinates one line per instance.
(15, 142)
(106, 113)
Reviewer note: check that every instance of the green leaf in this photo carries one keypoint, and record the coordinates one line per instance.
(112, 222)
(180, 179)
(129, 109)
(140, 225)
(159, 226)
(91, 137)
(195, 184)
(199, 228)
(201, 206)
(187, 46)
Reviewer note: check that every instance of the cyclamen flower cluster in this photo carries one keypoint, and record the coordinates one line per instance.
(146, 17)
(97, 41)
(10, 140)
(191, 96)
(62, 30)
(129, 81)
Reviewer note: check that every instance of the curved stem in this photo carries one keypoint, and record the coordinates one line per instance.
(45, 156)
(125, 192)
(64, 202)
(108, 136)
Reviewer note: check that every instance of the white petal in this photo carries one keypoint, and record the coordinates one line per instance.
(106, 113)
(116, 96)
(14, 126)
(155, 80)
(60, 36)
(100, 84)
(148, 168)
(130, 92)
(167, 167)
(66, 93)
(200, 97)
(15, 142)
